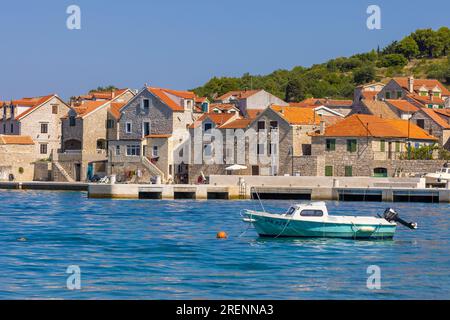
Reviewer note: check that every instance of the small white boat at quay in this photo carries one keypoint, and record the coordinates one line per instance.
(440, 177)
(312, 220)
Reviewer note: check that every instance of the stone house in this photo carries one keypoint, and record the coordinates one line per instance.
(364, 145)
(265, 145)
(17, 158)
(39, 118)
(250, 99)
(435, 123)
(344, 107)
(85, 133)
(421, 92)
(154, 122)
(367, 91)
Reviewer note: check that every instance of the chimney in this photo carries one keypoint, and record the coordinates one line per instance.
(322, 127)
(411, 84)
(113, 94)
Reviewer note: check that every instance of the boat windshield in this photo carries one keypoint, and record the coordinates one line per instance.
(291, 211)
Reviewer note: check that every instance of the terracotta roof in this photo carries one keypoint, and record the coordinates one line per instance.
(217, 118)
(239, 94)
(181, 94)
(444, 112)
(402, 105)
(88, 107)
(33, 103)
(331, 120)
(418, 83)
(115, 109)
(200, 99)
(253, 113)
(223, 106)
(155, 136)
(380, 109)
(161, 94)
(297, 116)
(330, 103)
(237, 124)
(107, 95)
(369, 95)
(363, 125)
(22, 140)
(436, 118)
(426, 99)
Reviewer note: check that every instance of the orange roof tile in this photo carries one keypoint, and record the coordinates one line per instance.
(239, 94)
(418, 83)
(426, 99)
(363, 125)
(14, 139)
(402, 105)
(180, 94)
(253, 113)
(237, 124)
(115, 109)
(33, 103)
(297, 116)
(217, 118)
(323, 101)
(436, 118)
(156, 136)
(369, 95)
(88, 106)
(160, 93)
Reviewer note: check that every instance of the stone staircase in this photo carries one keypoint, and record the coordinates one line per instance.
(59, 173)
(154, 170)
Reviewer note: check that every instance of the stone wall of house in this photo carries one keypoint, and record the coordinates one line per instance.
(72, 133)
(127, 172)
(159, 116)
(31, 126)
(309, 166)
(17, 160)
(430, 126)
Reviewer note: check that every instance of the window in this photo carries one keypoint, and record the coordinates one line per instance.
(261, 125)
(146, 128)
(399, 94)
(72, 121)
(311, 213)
(44, 127)
(110, 123)
(55, 109)
(397, 146)
(382, 145)
(101, 144)
(331, 144)
(306, 149)
(207, 150)
(207, 127)
(351, 145)
(128, 127)
(133, 150)
(291, 211)
(273, 149)
(349, 171)
(145, 106)
(328, 171)
(117, 150)
(388, 95)
(260, 149)
(420, 123)
(12, 128)
(155, 152)
(43, 148)
(273, 124)
(4, 128)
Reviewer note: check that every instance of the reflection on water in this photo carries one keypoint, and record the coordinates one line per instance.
(168, 250)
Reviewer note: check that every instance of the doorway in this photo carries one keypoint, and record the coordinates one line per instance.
(78, 172)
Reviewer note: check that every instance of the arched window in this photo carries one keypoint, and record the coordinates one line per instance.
(380, 172)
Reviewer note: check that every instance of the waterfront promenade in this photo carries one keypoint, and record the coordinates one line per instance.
(252, 187)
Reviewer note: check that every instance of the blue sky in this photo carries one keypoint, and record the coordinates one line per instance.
(181, 44)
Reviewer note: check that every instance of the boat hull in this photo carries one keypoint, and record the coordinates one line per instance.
(273, 227)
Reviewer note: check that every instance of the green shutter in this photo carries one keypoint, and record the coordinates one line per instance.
(351, 145)
(331, 144)
(397, 146)
(349, 171)
(382, 146)
(388, 95)
(329, 171)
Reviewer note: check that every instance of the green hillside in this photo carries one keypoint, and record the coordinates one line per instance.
(424, 53)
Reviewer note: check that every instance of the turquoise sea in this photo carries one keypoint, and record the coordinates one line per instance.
(139, 249)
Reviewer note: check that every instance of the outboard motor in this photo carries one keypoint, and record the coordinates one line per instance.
(392, 216)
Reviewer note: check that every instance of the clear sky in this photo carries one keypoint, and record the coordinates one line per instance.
(181, 44)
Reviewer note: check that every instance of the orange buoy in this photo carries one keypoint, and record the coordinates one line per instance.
(222, 235)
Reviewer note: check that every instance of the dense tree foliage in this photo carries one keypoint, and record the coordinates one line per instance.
(338, 77)
(104, 89)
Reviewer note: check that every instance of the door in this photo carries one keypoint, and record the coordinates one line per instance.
(77, 172)
(146, 128)
(255, 170)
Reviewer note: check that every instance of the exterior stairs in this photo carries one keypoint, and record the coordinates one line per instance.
(152, 168)
(60, 174)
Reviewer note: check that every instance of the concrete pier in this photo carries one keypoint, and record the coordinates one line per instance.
(55, 186)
